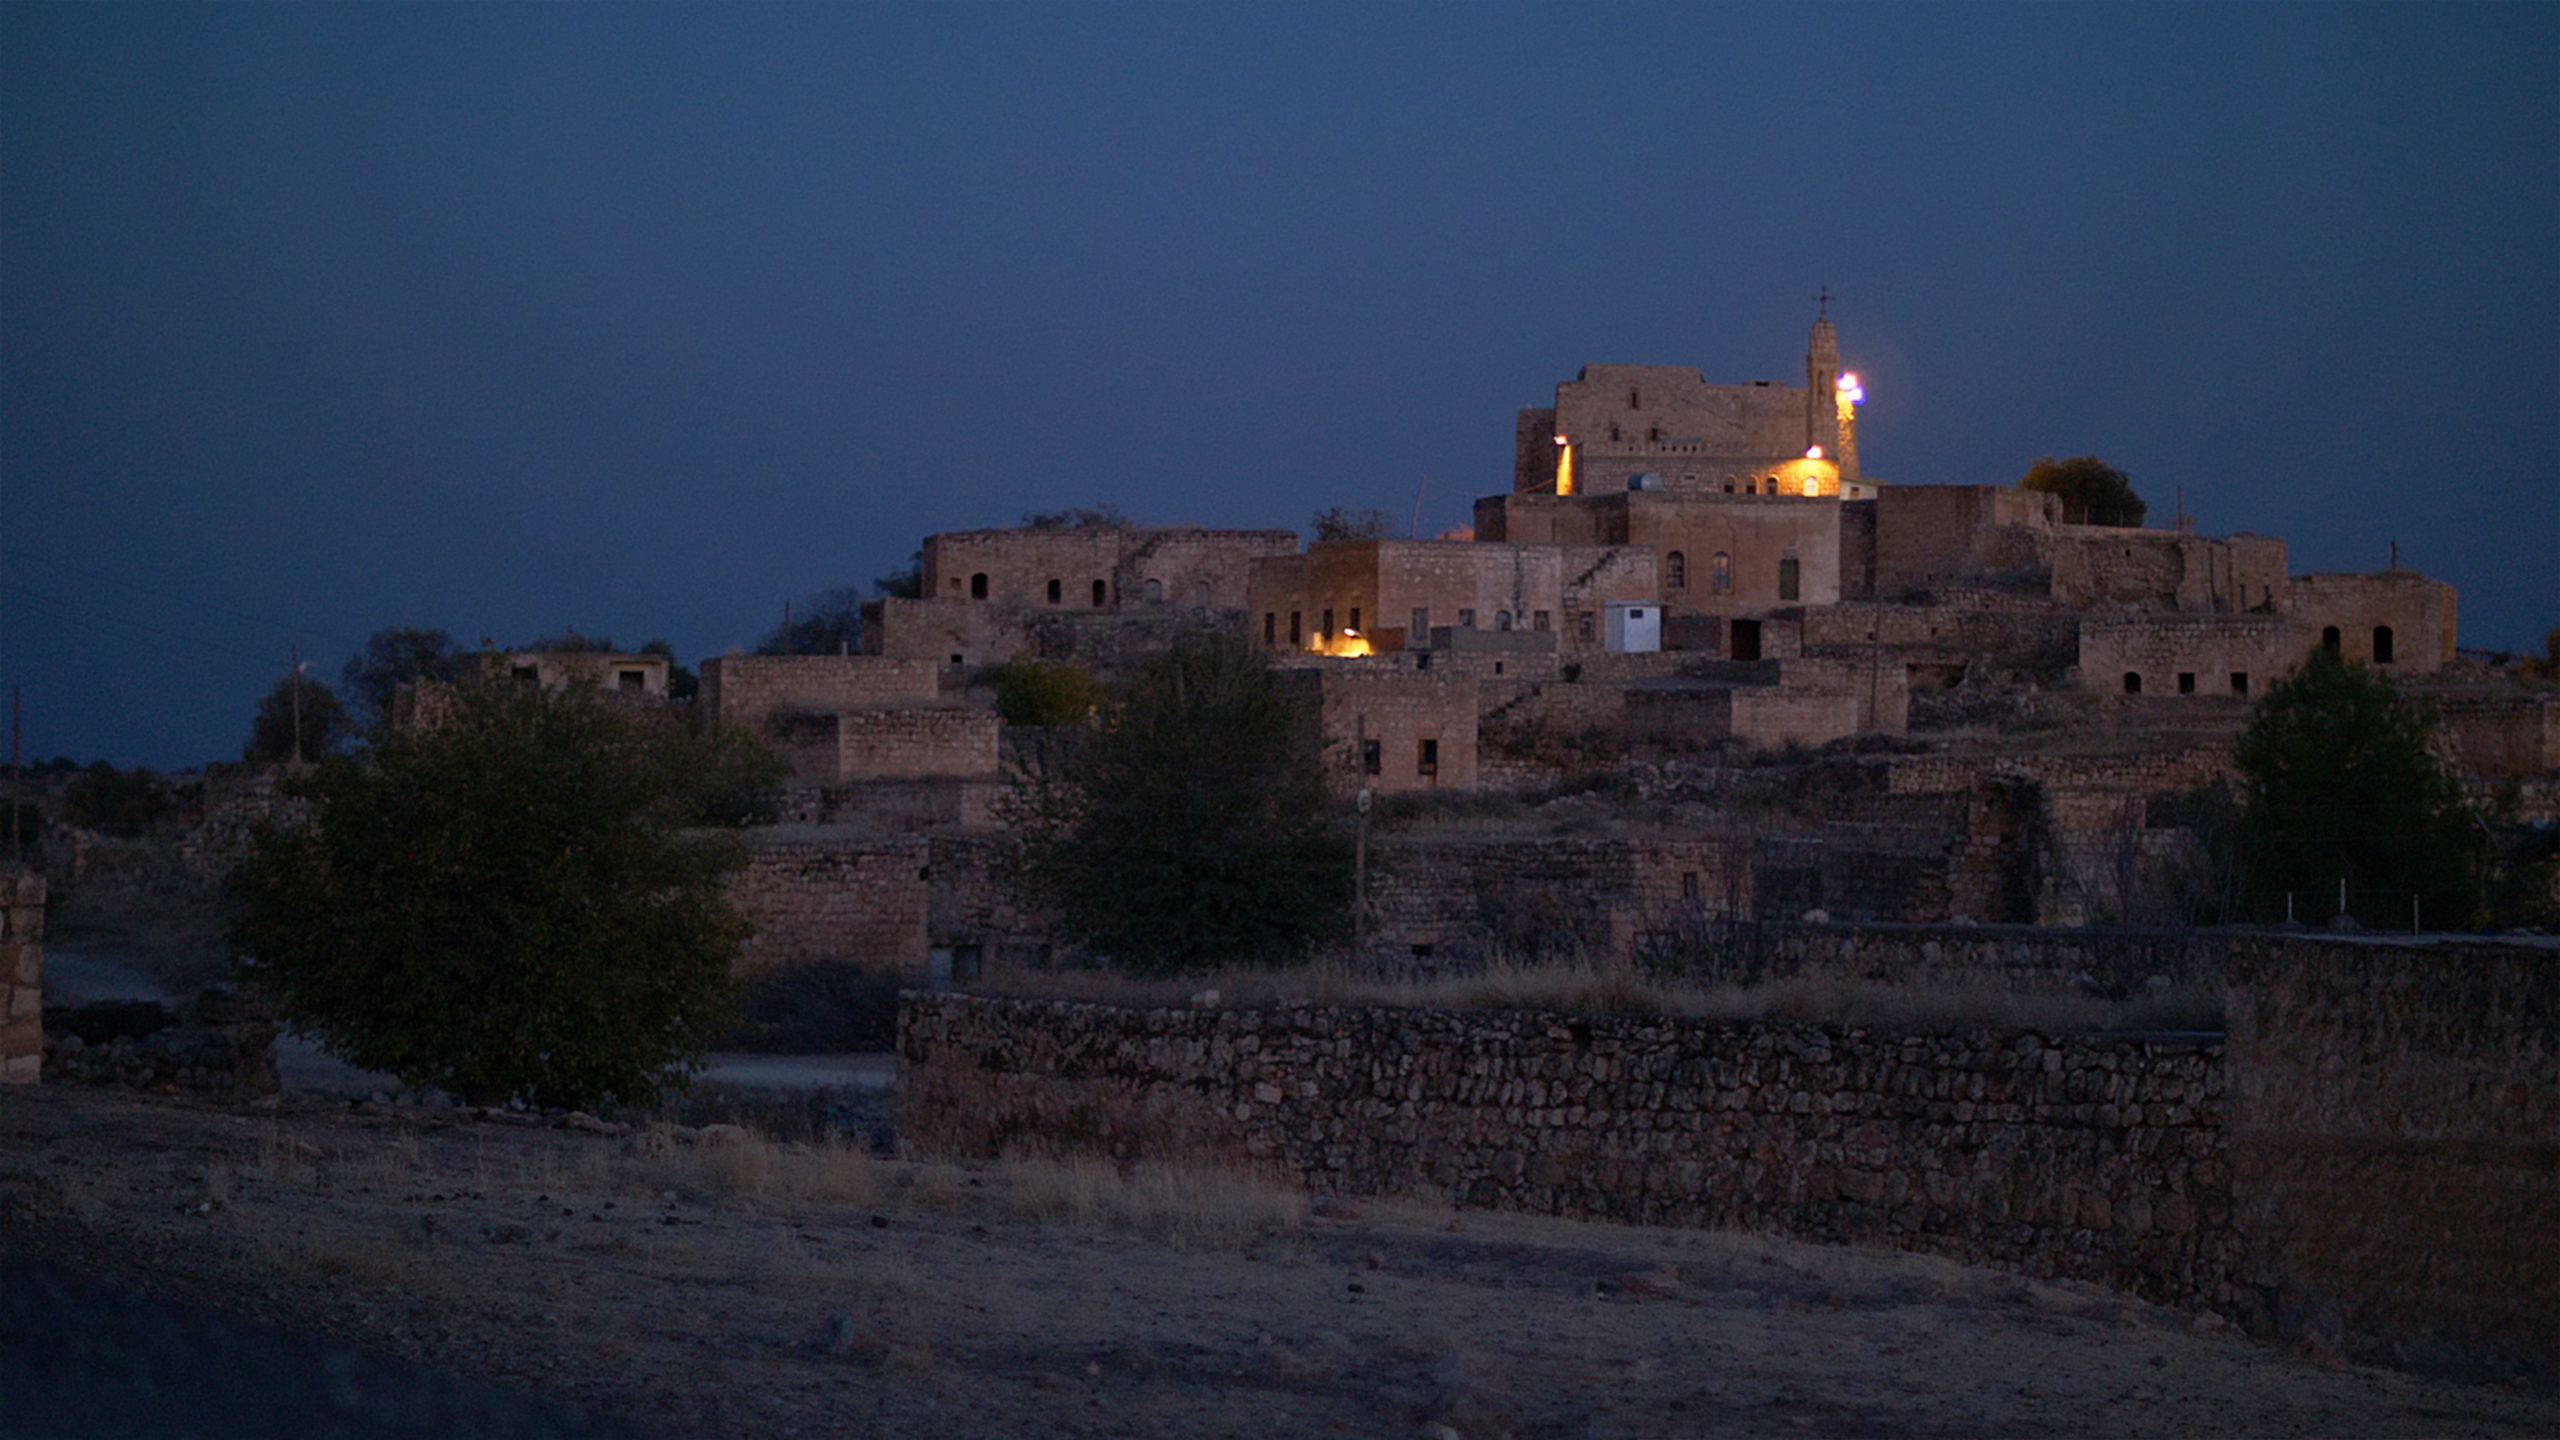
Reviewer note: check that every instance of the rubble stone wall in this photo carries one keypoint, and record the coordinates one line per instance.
(2396, 1141)
(219, 1047)
(749, 689)
(21, 977)
(833, 899)
(2086, 1156)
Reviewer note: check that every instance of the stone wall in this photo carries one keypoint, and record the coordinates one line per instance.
(1097, 567)
(220, 1047)
(2417, 613)
(2092, 1157)
(2510, 736)
(749, 689)
(2153, 655)
(1421, 724)
(21, 976)
(1928, 536)
(2005, 627)
(820, 898)
(2396, 1143)
(891, 742)
(1442, 905)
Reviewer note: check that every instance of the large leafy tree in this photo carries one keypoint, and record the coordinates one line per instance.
(2093, 492)
(829, 625)
(396, 656)
(1192, 827)
(1335, 523)
(519, 894)
(324, 723)
(2338, 785)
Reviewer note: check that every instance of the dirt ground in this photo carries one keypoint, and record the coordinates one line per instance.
(717, 1284)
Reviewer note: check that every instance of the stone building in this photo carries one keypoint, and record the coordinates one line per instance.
(1359, 597)
(1098, 567)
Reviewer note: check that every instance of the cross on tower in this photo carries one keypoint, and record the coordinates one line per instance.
(1824, 297)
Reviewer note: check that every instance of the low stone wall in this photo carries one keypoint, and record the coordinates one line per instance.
(820, 897)
(2396, 1144)
(21, 976)
(2092, 1157)
(219, 1047)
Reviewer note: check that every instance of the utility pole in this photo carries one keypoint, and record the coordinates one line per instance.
(295, 680)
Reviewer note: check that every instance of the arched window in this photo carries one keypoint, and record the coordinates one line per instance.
(1635, 401)
(1721, 571)
(1057, 591)
(1101, 594)
(1155, 591)
(2329, 639)
(2381, 644)
(2133, 682)
(1675, 570)
(978, 586)
(1790, 585)
(1200, 593)
(1501, 619)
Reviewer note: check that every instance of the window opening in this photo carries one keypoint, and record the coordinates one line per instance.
(1421, 626)
(1370, 762)
(978, 586)
(2132, 682)
(1722, 567)
(1325, 631)
(1295, 634)
(1466, 619)
(1675, 570)
(1426, 760)
(1057, 591)
(1355, 620)
(2186, 682)
(1788, 583)
(1200, 593)
(1746, 639)
(1270, 627)
(2381, 644)
(1101, 594)
(2239, 682)
(1582, 625)
(632, 679)
(1155, 591)
(1688, 884)
(2329, 639)
(1501, 619)
(1538, 620)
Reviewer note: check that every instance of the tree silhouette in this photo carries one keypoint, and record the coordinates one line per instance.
(2093, 492)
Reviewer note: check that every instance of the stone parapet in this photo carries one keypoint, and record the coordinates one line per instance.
(21, 977)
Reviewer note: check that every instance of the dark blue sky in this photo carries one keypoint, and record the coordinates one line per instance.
(506, 319)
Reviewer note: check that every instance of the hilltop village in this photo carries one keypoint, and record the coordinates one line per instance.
(1693, 666)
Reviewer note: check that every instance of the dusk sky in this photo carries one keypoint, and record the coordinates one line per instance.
(642, 319)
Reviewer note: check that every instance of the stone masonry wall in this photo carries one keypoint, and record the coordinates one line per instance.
(2091, 1157)
(2396, 1142)
(747, 689)
(21, 977)
(819, 898)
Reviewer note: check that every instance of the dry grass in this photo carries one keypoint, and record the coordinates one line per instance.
(740, 1163)
(1181, 1204)
(1620, 988)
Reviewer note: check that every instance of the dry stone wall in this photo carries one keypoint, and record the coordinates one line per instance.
(748, 689)
(819, 898)
(2092, 1157)
(21, 977)
(220, 1047)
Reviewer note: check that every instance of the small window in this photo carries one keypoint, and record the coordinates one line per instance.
(1296, 633)
(1325, 630)
(1731, 481)
(958, 659)
(1653, 433)
(1355, 620)
(1200, 594)
(1057, 591)
(2133, 682)
(1635, 400)
(1101, 594)
(1466, 619)
(1789, 585)
(1721, 571)
(978, 586)
(1421, 633)
(2381, 644)
(631, 679)
(1675, 570)
(1582, 626)
(1688, 884)
(1426, 760)
(1635, 612)
(1501, 619)
(528, 674)
(2186, 682)
(1497, 667)
(1155, 591)
(1538, 620)
(1370, 763)
(1270, 627)
(2239, 682)
(2329, 639)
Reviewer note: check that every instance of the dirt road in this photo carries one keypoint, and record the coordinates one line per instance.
(719, 1285)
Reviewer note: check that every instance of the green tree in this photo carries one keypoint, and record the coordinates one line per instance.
(519, 896)
(325, 723)
(1034, 692)
(1192, 828)
(393, 657)
(1076, 517)
(2337, 784)
(119, 802)
(682, 683)
(902, 584)
(2093, 492)
(1336, 523)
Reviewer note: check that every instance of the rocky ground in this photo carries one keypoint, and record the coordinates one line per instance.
(708, 1282)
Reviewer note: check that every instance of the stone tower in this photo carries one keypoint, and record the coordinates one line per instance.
(1821, 386)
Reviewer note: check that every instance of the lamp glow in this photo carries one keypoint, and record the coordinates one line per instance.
(1813, 452)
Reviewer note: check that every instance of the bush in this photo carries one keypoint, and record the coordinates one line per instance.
(1033, 692)
(1192, 829)
(514, 899)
